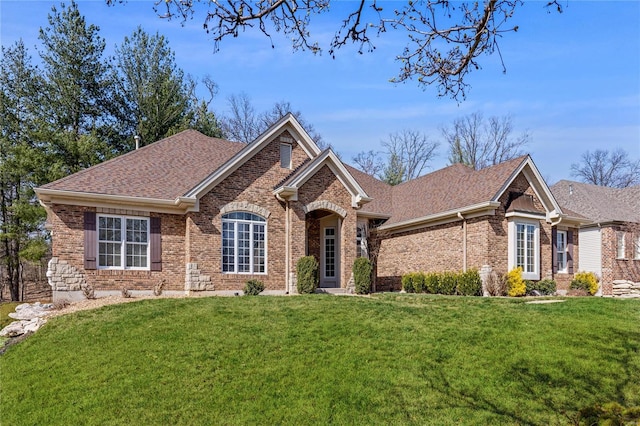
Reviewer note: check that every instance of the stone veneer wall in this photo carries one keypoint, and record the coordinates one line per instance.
(626, 289)
(64, 277)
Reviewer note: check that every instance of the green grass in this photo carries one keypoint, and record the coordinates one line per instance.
(5, 309)
(388, 359)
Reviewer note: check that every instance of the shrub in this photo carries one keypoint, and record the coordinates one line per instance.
(253, 287)
(420, 282)
(586, 281)
(431, 283)
(496, 285)
(447, 283)
(469, 283)
(157, 289)
(125, 293)
(362, 275)
(515, 284)
(407, 282)
(545, 287)
(307, 271)
(88, 291)
(60, 304)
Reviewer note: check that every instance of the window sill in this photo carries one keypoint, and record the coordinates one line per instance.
(244, 273)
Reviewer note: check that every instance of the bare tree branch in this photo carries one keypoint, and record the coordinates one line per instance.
(446, 39)
(479, 143)
(614, 169)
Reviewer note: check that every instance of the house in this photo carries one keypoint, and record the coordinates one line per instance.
(609, 233)
(200, 214)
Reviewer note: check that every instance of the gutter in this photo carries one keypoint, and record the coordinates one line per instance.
(487, 207)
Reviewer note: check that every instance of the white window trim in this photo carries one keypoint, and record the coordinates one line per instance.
(235, 247)
(535, 275)
(636, 248)
(123, 244)
(566, 252)
(624, 245)
(362, 240)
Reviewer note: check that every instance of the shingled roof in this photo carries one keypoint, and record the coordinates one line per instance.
(166, 169)
(600, 204)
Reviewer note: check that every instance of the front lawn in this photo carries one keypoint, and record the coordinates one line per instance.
(388, 359)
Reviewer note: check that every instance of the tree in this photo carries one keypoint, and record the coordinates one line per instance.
(407, 153)
(21, 161)
(76, 89)
(614, 169)
(154, 94)
(244, 123)
(479, 143)
(202, 118)
(445, 39)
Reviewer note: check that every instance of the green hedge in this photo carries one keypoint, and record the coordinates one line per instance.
(461, 283)
(362, 275)
(307, 272)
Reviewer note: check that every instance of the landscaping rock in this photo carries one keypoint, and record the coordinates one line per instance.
(30, 318)
(28, 311)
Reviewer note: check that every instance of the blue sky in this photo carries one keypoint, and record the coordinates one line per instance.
(572, 80)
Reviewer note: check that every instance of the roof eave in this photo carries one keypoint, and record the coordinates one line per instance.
(179, 205)
(480, 209)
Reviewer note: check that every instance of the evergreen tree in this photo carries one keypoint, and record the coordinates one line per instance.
(21, 165)
(76, 90)
(154, 95)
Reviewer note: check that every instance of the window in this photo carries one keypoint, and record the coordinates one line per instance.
(330, 252)
(524, 248)
(562, 251)
(620, 245)
(123, 242)
(637, 248)
(285, 155)
(243, 243)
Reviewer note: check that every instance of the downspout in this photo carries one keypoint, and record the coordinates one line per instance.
(286, 248)
(464, 242)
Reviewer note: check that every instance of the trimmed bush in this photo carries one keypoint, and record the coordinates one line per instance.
(469, 283)
(545, 287)
(253, 287)
(515, 284)
(586, 281)
(362, 275)
(432, 283)
(307, 271)
(407, 282)
(447, 283)
(419, 282)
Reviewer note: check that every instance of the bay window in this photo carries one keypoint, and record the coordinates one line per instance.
(524, 248)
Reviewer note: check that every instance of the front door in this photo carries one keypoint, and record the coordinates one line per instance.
(329, 254)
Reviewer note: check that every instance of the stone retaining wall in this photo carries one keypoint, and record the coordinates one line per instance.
(624, 288)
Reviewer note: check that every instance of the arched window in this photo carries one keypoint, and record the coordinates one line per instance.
(244, 237)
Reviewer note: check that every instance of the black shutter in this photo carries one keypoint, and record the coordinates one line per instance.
(570, 251)
(554, 250)
(156, 244)
(90, 244)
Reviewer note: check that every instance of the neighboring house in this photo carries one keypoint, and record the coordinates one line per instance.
(610, 235)
(200, 214)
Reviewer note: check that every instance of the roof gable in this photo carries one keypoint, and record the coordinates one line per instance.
(288, 122)
(288, 189)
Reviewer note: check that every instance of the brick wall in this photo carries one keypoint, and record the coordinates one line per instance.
(440, 248)
(252, 183)
(67, 224)
(563, 279)
(324, 185)
(612, 267)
